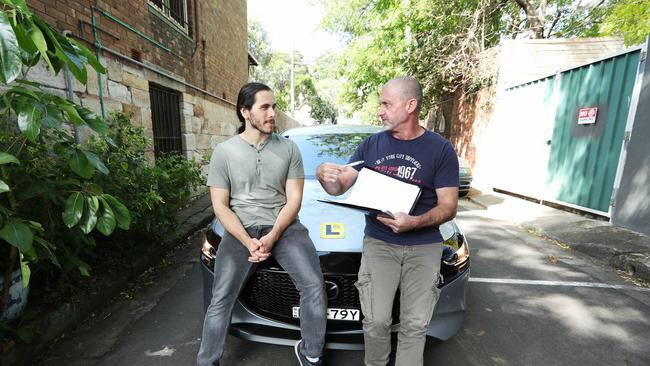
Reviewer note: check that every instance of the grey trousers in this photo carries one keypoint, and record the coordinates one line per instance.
(296, 253)
(384, 268)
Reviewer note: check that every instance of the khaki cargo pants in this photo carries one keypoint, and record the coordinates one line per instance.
(384, 268)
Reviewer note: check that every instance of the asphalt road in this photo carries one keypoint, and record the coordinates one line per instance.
(530, 302)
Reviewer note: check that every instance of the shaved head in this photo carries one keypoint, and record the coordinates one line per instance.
(407, 88)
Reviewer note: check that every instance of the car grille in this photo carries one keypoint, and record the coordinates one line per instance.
(271, 293)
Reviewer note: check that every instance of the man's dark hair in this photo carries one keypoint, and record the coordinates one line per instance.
(246, 99)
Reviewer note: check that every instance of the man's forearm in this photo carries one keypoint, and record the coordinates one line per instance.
(435, 216)
(231, 223)
(333, 188)
(286, 217)
(336, 179)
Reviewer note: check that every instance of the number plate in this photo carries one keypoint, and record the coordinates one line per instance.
(335, 313)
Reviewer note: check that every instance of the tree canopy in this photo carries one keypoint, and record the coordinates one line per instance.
(275, 71)
(439, 41)
(629, 19)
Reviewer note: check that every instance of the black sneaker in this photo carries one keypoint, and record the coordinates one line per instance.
(302, 359)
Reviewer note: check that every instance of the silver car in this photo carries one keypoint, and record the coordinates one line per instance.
(267, 308)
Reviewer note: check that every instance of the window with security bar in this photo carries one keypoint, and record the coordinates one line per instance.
(166, 120)
(174, 10)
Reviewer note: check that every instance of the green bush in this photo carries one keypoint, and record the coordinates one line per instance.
(50, 207)
(152, 192)
(54, 192)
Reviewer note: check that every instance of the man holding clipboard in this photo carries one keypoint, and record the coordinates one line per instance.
(403, 250)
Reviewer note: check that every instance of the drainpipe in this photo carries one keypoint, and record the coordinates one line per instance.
(98, 44)
(197, 30)
(69, 90)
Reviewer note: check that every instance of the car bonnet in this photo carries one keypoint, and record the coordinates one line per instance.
(331, 228)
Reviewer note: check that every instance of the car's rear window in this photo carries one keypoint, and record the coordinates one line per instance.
(334, 148)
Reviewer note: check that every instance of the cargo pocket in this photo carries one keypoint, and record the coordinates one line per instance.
(364, 286)
(435, 294)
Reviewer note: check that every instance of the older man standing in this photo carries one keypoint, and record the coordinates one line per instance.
(402, 252)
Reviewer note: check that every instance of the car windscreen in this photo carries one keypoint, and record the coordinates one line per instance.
(332, 148)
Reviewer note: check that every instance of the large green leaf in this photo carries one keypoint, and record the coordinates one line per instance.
(92, 120)
(94, 160)
(30, 83)
(6, 158)
(19, 235)
(21, 5)
(39, 41)
(30, 59)
(74, 207)
(22, 30)
(61, 56)
(75, 60)
(64, 50)
(25, 271)
(122, 214)
(4, 187)
(23, 94)
(10, 63)
(89, 218)
(84, 269)
(72, 113)
(106, 220)
(46, 247)
(29, 121)
(53, 117)
(90, 57)
(93, 188)
(80, 165)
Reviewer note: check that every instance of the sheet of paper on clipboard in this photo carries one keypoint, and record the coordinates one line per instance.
(374, 192)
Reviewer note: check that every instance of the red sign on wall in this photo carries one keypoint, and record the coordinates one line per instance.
(587, 116)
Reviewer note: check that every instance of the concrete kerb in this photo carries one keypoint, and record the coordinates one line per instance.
(196, 216)
(623, 249)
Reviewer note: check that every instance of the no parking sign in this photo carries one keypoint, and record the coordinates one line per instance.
(587, 116)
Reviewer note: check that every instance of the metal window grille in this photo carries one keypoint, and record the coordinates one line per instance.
(166, 118)
(175, 10)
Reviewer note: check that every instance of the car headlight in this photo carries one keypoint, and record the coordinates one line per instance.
(207, 253)
(462, 254)
(209, 248)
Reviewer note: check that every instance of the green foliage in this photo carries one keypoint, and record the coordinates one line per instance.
(45, 174)
(56, 195)
(628, 19)
(51, 207)
(369, 109)
(432, 40)
(322, 111)
(275, 71)
(153, 193)
(49, 204)
(441, 43)
(259, 46)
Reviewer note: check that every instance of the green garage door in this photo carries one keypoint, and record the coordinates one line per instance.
(584, 156)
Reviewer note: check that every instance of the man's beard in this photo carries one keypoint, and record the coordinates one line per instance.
(258, 126)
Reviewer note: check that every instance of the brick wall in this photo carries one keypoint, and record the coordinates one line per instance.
(212, 57)
(216, 60)
(471, 114)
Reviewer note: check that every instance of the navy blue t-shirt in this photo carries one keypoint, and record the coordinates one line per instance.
(428, 161)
